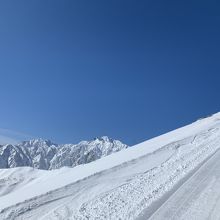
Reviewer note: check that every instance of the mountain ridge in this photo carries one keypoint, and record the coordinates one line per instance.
(44, 154)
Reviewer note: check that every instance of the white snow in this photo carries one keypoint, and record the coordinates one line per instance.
(118, 186)
(44, 154)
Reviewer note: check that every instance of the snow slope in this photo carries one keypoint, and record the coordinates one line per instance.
(197, 198)
(118, 186)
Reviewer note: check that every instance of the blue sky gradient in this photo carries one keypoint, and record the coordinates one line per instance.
(73, 70)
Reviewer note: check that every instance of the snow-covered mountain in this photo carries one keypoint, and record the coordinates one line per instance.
(43, 154)
(173, 176)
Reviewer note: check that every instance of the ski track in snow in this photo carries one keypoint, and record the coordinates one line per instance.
(197, 198)
(127, 183)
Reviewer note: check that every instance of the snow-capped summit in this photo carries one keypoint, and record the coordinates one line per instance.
(44, 154)
(85, 152)
(38, 142)
(104, 138)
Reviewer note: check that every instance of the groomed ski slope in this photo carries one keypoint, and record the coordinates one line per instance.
(119, 186)
(197, 198)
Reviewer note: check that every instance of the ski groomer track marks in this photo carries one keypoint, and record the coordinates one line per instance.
(198, 197)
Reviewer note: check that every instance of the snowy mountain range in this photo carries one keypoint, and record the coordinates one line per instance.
(43, 154)
(173, 176)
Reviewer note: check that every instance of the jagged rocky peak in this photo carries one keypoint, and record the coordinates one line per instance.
(85, 152)
(39, 142)
(44, 154)
(104, 139)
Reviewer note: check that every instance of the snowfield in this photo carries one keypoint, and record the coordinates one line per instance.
(123, 185)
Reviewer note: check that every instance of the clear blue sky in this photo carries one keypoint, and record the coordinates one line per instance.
(73, 70)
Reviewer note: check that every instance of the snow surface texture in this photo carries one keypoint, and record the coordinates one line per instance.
(43, 154)
(118, 186)
(197, 198)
